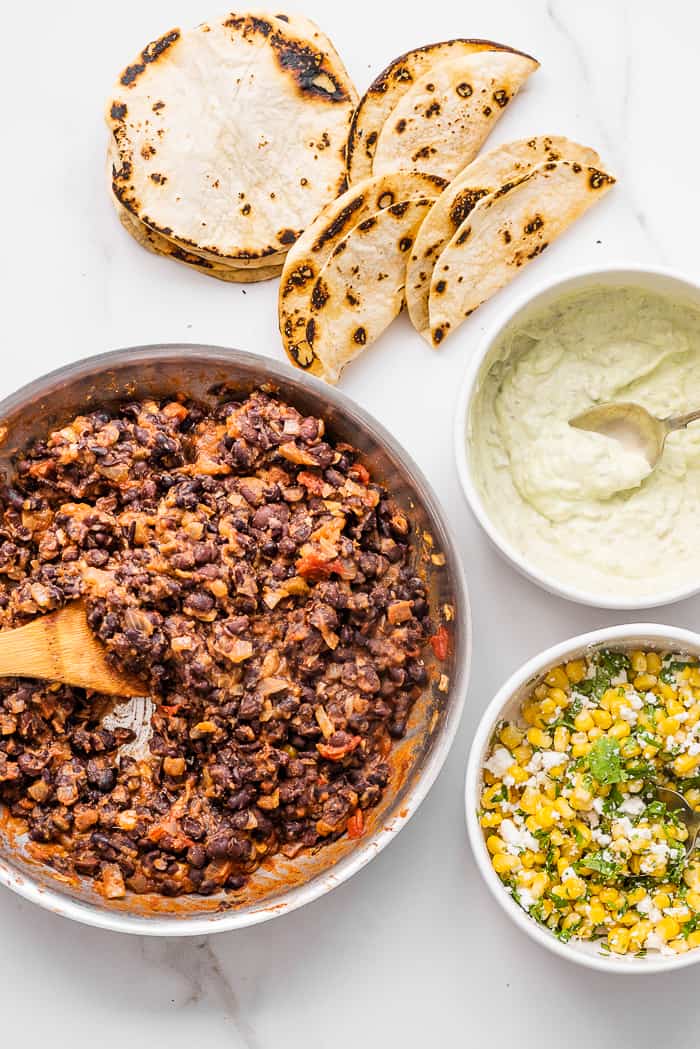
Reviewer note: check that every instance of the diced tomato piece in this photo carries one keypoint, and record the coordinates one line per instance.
(356, 824)
(440, 643)
(359, 473)
(311, 566)
(312, 482)
(336, 753)
(169, 711)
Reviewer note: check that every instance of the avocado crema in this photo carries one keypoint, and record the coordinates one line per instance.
(578, 505)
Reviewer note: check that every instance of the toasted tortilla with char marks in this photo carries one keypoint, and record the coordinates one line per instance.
(234, 164)
(506, 231)
(386, 90)
(478, 180)
(314, 248)
(440, 124)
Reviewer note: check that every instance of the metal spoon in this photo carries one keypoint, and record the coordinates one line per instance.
(633, 426)
(675, 802)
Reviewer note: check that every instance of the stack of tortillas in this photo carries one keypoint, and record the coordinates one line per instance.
(228, 139)
(423, 221)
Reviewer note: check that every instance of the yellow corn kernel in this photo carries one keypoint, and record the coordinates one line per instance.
(650, 751)
(518, 773)
(693, 939)
(583, 832)
(667, 691)
(602, 718)
(693, 900)
(685, 763)
(619, 939)
(545, 815)
(667, 928)
(571, 921)
(581, 799)
(674, 706)
(532, 825)
(609, 897)
(522, 754)
(529, 800)
(629, 748)
(653, 662)
(644, 682)
(561, 738)
(594, 734)
(661, 900)
(531, 712)
(538, 738)
(694, 677)
(597, 912)
(495, 844)
(558, 696)
(575, 671)
(608, 697)
(692, 715)
(525, 877)
(491, 819)
(574, 888)
(548, 707)
(638, 660)
(549, 790)
(583, 721)
(628, 919)
(682, 913)
(557, 678)
(503, 863)
(488, 795)
(562, 805)
(541, 691)
(556, 838)
(639, 932)
(669, 726)
(527, 858)
(619, 730)
(636, 895)
(510, 736)
(579, 750)
(562, 865)
(680, 946)
(539, 884)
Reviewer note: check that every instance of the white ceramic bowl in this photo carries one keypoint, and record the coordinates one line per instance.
(506, 704)
(654, 279)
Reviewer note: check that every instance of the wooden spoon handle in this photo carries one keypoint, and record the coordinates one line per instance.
(60, 646)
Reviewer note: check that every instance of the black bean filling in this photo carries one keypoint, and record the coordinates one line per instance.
(267, 592)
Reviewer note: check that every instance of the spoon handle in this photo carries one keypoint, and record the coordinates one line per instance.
(679, 422)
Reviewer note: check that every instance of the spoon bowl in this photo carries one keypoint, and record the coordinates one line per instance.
(634, 427)
(676, 803)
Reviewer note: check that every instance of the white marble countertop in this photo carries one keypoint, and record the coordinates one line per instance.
(413, 950)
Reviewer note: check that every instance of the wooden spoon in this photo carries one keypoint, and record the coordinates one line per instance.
(61, 647)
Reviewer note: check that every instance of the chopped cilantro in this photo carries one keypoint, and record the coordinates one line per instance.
(604, 760)
(676, 666)
(690, 926)
(596, 861)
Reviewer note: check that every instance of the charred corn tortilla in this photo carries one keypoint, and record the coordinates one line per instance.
(316, 245)
(387, 89)
(159, 245)
(442, 121)
(231, 136)
(504, 232)
(479, 179)
(361, 288)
